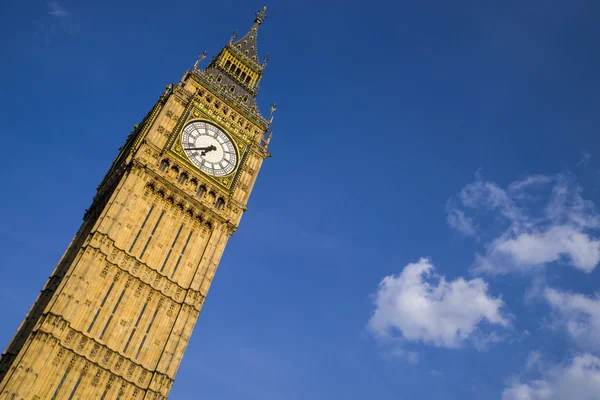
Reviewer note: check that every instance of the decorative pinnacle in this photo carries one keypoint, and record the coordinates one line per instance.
(200, 58)
(264, 62)
(261, 15)
(272, 111)
(233, 36)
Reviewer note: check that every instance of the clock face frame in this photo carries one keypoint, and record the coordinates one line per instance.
(209, 148)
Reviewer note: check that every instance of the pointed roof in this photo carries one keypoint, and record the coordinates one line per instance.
(247, 43)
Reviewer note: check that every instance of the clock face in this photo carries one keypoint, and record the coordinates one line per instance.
(209, 148)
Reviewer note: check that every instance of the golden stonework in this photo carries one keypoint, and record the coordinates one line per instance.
(115, 316)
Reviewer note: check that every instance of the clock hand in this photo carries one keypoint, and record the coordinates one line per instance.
(204, 149)
(209, 148)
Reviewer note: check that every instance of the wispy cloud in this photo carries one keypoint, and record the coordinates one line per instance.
(578, 315)
(585, 158)
(533, 222)
(57, 10)
(59, 20)
(578, 379)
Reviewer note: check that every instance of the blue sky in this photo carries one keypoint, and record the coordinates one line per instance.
(426, 229)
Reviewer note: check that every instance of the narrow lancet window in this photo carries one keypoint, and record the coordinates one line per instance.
(141, 227)
(171, 249)
(152, 234)
(181, 254)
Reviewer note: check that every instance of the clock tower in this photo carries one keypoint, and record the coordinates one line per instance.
(116, 315)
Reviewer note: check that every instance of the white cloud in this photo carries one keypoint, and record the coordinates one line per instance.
(446, 314)
(459, 221)
(56, 10)
(585, 158)
(578, 315)
(534, 361)
(580, 379)
(542, 219)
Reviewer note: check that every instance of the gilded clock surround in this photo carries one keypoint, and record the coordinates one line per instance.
(115, 316)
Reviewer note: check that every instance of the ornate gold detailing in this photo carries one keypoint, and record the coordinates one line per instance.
(103, 246)
(96, 356)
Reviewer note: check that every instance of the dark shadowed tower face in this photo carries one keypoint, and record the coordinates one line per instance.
(116, 315)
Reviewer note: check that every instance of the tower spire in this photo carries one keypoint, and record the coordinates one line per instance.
(261, 15)
(247, 44)
(237, 70)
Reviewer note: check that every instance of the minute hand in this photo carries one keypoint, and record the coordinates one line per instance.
(204, 149)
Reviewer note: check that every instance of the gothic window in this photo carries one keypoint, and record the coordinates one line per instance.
(171, 249)
(219, 78)
(140, 231)
(152, 234)
(62, 382)
(245, 98)
(164, 164)
(135, 327)
(248, 79)
(227, 64)
(219, 203)
(243, 75)
(137, 354)
(181, 254)
(112, 314)
(232, 89)
(237, 71)
(201, 190)
(101, 305)
(182, 178)
(232, 68)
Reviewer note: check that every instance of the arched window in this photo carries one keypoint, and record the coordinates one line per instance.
(232, 68)
(219, 79)
(219, 203)
(227, 64)
(164, 164)
(248, 79)
(182, 178)
(201, 190)
(237, 71)
(243, 76)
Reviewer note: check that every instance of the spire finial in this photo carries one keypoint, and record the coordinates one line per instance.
(264, 62)
(233, 36)
(272, 111)
(200, 58)
(261, 15)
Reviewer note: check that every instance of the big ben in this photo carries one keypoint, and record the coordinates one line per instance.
(116, 314)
